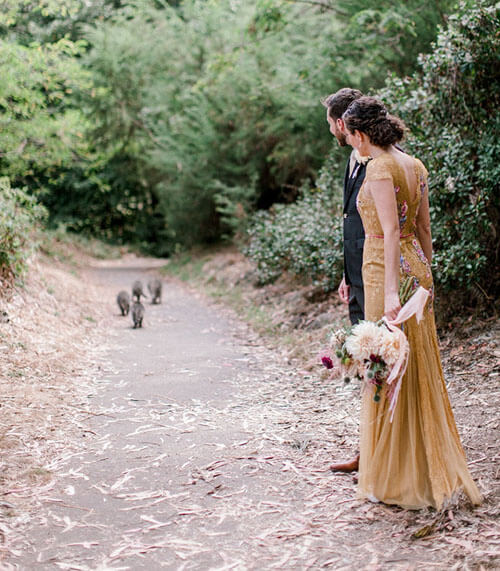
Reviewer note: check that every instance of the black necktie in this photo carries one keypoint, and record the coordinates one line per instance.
(355, 170)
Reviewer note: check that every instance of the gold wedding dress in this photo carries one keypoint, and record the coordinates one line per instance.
(417, 460)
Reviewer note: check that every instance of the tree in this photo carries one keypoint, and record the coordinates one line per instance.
(451, 108)
(190, 114)
(40, 127)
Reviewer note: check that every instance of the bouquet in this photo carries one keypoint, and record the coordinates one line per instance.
(377, 352)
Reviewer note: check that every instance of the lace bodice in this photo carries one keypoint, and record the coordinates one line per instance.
(412, 258)
(386, 167)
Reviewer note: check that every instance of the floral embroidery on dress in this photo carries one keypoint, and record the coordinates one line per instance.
(430, 301)
(396, 189)
(420, 252)
(404, 265)
(402, 211)
(423, 184)
(423, 188)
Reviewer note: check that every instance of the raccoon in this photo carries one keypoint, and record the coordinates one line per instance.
(154, 287)
(137, 314)
(123, 301)
(137, 290)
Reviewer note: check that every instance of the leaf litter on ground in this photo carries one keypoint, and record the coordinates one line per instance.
(291, 511)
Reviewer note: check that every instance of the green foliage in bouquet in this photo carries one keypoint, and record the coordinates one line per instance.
(19, 215)
(407, 287)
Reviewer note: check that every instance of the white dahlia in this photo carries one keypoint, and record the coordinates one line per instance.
(389, 347)
(364, 340)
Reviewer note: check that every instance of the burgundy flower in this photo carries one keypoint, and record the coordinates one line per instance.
(327, 362)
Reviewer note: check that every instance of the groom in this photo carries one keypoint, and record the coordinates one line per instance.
(351, 286)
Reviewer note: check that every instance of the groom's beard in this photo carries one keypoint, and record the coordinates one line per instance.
(341, 139)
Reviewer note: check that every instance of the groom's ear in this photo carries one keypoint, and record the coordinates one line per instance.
(340, 125)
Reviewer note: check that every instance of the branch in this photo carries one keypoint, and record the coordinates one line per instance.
(325, 5)
(148, 132)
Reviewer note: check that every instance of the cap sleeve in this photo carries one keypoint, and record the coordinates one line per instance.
(422, 168)
(380, 168)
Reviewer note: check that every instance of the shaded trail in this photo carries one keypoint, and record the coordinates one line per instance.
(200, 451)
(167, 478)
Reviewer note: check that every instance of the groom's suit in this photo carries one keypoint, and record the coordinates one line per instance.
(354, 238)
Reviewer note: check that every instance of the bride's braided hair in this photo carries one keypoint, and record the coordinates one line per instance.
(370, 116)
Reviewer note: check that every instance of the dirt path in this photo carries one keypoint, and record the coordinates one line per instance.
(201, 451)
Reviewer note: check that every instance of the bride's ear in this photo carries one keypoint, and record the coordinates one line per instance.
(361, 137)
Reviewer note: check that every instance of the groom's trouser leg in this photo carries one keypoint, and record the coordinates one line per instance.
(356, 304)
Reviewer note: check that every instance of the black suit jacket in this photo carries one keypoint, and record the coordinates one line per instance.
(354, 234)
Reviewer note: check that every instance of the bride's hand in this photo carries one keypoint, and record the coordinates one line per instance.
(392, 306)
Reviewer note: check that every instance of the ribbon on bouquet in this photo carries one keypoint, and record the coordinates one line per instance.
(414, 306)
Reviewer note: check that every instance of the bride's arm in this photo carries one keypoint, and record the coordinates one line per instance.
(382, 192)
(423, 229)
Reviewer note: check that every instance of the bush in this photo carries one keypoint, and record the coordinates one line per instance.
(304, 239)
(41, 128)
(451, 108)
(19, 214)
(211, 109)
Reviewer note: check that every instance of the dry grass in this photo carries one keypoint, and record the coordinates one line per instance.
(295, 320)
(49, 352)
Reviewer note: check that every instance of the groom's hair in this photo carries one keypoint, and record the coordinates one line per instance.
(338, 102)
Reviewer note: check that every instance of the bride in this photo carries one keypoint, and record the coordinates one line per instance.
(417, 459)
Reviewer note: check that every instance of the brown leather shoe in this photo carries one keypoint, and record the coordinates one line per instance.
(351, 466)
